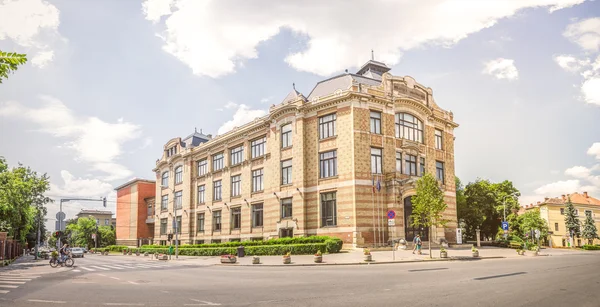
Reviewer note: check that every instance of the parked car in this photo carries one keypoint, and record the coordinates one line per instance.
(77, 252)
(85, 249)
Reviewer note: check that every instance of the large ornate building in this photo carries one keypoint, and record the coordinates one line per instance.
(330, 163)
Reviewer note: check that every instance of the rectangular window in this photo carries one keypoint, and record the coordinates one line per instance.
(555, 226)
(375, 122)
(178, 174)
(410, 165)
(422, 166)
(164, 203)
(286, 135)
(286, 208)
(201, 194)
(258, 147)
(257, 215)
(438, 139)
(257, 180)
(588, 213)
(286, 172)
(163, 226)
(218, 162)
(327, 126)
(376, 160)
(562, 211)
(178, 199)
(439, 171)
(328, 210)
(106, 222)
(328, 164)
(216, 220)
(202, 167)
(217, 190)
(236, 185)
(236, 218)
(178, 224)
(399, 162)
(237, 155)
(200, 222)
(165, 179)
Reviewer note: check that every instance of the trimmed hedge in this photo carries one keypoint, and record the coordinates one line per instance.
(263, 250)
(116, 248)
(591, 247)
(333, 245)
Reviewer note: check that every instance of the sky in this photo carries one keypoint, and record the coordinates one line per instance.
(109, 82)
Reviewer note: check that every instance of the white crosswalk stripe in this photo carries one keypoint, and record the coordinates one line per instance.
(12, 281)
(121, 266)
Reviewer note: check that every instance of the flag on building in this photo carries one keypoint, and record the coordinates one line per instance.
(373, 184)
(378, 185)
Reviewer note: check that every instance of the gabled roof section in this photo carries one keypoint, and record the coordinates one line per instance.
(196, 139)
(373, 69)
(293, 95)
(340, 82)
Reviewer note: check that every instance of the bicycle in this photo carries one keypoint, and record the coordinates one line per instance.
(69, 262)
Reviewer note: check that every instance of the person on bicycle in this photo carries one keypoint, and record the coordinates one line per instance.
(64, 252)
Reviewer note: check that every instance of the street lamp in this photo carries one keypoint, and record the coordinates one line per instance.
(504, 204)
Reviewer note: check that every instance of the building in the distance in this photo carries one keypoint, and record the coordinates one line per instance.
(329, 163)
(553, 211)
(102, 217)
(135, 212)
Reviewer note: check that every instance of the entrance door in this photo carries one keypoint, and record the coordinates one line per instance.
(409, 230)
(286, 232)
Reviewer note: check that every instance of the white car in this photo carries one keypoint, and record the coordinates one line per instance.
(77, 252)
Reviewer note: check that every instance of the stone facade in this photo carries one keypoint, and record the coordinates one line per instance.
(343, 204)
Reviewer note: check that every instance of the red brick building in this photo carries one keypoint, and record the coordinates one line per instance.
(135, 212)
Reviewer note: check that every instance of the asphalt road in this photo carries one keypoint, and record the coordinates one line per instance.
(572, 280)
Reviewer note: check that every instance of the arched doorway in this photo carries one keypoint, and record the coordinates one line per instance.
(409, 230)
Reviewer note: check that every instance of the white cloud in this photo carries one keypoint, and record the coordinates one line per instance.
(80, 187)
(570, 63)
(243, 115)
(32, 24)
(231, 105)
(266, 99)
(501, 69)
(94, 141)
(591, 90)
(585, 33)
(214, 38)
(594, 150)
(558, 188)
(578, 172)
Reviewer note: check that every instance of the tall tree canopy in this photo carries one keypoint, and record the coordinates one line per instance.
(428, 205)
(572, 224)
(9, 62)
(589, 230)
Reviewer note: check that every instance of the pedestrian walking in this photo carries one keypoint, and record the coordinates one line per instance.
(414, 244)
(418, 244)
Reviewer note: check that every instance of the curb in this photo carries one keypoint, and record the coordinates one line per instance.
(360, 263)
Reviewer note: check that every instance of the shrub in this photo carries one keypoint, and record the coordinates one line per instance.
(591, 247)
(264, 250)
(116, 248)
(281, 241)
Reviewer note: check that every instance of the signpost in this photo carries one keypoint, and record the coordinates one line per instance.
(505, 228)
(391, 214)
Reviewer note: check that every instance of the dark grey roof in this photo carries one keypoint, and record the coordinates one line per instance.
(375, 67)
(341, 82)
(195, 139)
(293, 95)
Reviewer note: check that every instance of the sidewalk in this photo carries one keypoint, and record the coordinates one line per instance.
(27, 264)
(355, 257)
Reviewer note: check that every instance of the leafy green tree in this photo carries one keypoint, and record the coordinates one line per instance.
(81, 232)
(107, 236)
(52, 242)
(528, 221)
(9, 61)
(428, 205)
(572, 224)
(589, 230)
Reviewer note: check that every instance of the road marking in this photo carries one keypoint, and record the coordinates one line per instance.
(423, 270)
(145, 266)
(101, 268)
(112, 267)
(120, 266)
(4, 291)
(124, 304)
(76, 270)
(12, 282)
(115, 278)
(91, 270)
(15, 279)
(204, 303)
(133, 283)
(44, 301)
(499, 276)
(8, 286)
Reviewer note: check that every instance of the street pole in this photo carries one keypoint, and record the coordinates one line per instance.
(37, 244)
(176, 232)
(59, 225)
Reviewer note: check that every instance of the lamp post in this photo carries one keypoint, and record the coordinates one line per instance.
(504, 204)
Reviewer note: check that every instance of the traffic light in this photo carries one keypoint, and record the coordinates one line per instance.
(57, 234)
(170, 236)
(104, 202)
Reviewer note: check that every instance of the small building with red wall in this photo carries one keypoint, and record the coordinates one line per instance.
(135, 212)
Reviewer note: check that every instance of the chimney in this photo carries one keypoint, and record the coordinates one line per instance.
(538, 202)
(586, 195)
(546, 198)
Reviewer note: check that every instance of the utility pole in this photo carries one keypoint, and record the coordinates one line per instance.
(176, 229)
(37, 244)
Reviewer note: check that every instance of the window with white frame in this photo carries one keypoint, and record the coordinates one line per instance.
(179, 174)
(164, 203)
(376, 160)
(200, 222)
(422, 166)
(163, 226)
(202, 167)
(286, 135)
(178, 199)
(286, 208)
(257, 215)
(217, 190)
(257, 180)
(399, 162)
(201, 194)
(218, 162)
(439, 171)
(328, 164)
(216, 220)
(375, 122)
(178, 224)
(237, 155)
(438, 139)
(258, 147)
(410, 165)
(409, 127)
(236, 185)
(165, 179)
(328, 209)
(236, 218)
(327, 126)
(286, 172)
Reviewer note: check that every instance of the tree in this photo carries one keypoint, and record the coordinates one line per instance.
(572, 224)
(107, 236)
(528, 221)
(589, 230)
(81, 232)
(9, 63)
(428, 205)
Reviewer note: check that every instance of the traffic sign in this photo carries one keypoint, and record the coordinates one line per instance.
(94, 236)
(504, 225)
(60, 216)
(391, 214)
(391, 222)
(537, 234)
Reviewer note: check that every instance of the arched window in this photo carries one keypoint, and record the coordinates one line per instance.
(165, 179)
(178, 174)
(409, 127)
